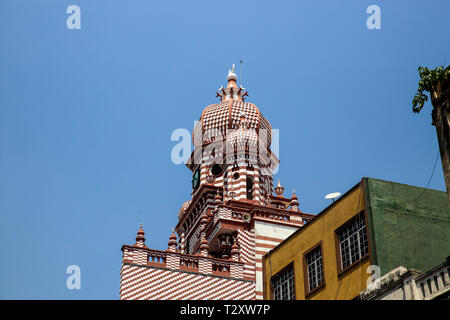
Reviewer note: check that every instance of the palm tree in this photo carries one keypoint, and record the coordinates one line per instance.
(437, 83)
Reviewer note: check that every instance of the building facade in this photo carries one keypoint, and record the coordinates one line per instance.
(231, 219)
(373, 228)
(404, 284)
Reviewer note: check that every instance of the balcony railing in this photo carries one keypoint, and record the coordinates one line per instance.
(273, 216)
(185, 262)
(221, 269)
(157, 259)
(189, 264)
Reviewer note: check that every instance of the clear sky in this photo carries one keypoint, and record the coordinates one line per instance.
(86, 115)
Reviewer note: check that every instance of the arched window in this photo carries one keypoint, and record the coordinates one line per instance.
(225, 182)
(249, 187)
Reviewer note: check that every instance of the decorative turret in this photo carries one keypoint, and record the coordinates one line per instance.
(203, 222)
(279, 189)
(172, 242)
(140, 238)
(217, 199)
(294, 201)
(204, 247)
(235, 252)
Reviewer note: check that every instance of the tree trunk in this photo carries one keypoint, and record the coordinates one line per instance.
(440, 98)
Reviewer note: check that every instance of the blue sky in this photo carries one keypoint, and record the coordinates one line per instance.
(86, 115)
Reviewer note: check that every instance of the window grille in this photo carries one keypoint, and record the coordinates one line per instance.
(314, 267)
(283, 285)
(353, 241)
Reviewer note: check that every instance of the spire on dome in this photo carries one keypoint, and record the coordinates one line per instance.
(232, 92)
(232, 77)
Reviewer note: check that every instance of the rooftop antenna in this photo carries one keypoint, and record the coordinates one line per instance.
(333, 195)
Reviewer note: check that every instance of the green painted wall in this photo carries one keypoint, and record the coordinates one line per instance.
(408, 226)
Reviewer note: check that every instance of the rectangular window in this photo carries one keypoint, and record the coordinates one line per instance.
(283, 284)
(352, 238)
(314, 268)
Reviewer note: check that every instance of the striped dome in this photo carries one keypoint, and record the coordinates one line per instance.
(219, 118)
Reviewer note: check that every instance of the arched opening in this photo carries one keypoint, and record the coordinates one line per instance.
(225, 182)
(249, 188)
(216, 169)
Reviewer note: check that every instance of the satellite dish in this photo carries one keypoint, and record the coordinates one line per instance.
(333, 195)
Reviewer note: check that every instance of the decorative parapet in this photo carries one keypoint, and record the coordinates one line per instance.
(188, 263)
(154, 258)
(435, 282)
(273, 215)
(184, 262)
(262, 212)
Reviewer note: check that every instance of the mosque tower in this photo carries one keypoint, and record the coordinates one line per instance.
(231, 219)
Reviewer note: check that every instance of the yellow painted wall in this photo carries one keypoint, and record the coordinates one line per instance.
(322, 229)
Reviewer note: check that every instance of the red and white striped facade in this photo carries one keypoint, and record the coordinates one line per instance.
(231, 220)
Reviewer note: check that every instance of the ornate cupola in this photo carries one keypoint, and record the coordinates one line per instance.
(232, 151)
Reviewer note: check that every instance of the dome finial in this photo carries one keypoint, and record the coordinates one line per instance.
(231, 74)
(232, 91)
(232, 78)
